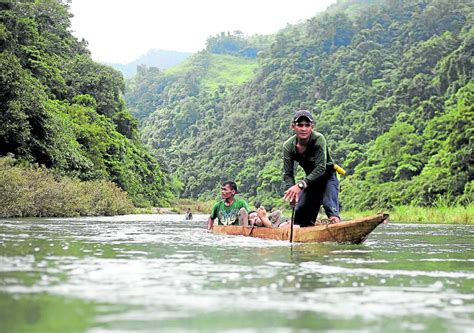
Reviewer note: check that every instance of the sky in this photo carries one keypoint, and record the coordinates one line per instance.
(120, 31)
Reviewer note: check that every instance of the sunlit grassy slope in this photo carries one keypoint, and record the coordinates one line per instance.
(225, 70)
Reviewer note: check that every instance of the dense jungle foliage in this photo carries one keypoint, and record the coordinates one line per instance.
(390, 83)
(61, 110)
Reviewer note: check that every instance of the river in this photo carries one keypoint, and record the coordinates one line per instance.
(160, 273)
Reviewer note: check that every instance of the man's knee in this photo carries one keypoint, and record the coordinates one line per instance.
(243, 217)
(275, 217)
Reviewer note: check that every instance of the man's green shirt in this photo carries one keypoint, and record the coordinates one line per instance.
(228, 215)
(314, 161)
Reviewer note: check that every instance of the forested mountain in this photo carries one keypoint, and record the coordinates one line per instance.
(202, 72)
(161, 59)
(390, 83)
(60, 109)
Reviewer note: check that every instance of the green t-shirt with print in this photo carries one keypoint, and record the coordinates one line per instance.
(228, 215)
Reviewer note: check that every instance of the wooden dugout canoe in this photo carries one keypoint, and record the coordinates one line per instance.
(352, 232)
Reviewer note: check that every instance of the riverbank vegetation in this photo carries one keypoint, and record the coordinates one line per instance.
(412, 214)
(28, 190)
(197, 207)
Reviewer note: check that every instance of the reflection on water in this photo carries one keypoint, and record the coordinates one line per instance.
(148, 273)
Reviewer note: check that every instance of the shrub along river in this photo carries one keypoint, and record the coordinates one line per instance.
(159, 273)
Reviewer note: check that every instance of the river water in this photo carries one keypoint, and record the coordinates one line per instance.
(159, 273)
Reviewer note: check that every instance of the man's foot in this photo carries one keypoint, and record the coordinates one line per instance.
(261, 212)
(334, 219)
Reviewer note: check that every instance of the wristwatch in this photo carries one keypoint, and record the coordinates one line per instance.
(301, 185)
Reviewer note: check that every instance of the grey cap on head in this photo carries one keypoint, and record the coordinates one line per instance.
(301, 114)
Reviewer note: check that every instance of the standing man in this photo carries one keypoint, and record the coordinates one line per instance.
(229, 210)
(320, 186)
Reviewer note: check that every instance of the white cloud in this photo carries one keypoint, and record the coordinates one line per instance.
(121, 31)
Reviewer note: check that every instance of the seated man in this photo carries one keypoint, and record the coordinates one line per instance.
(229, 210)
(260, 218)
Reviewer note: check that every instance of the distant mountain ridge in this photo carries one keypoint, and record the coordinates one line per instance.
(153, 58)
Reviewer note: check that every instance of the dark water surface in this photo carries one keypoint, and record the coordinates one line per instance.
(159, 273)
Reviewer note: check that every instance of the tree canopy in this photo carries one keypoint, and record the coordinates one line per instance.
(390, 83)
(60, 109)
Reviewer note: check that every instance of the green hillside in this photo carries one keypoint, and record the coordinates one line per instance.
(227, 70)
(223, 70)
(202, 73)
(390, 83)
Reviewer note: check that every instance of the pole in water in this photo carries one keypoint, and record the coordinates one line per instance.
(292, 222)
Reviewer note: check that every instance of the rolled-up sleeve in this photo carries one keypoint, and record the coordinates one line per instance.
(288, 166)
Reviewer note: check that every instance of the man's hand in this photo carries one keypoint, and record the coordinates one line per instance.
(291, 195)
(210, 224)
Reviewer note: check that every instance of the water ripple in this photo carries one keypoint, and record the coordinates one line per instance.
(149, 271)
